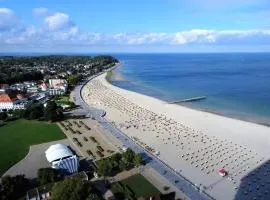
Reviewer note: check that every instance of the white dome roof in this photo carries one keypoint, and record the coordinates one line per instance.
(57, 151)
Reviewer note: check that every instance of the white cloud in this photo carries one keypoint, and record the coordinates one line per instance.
(138, 38)
(194, 36)
(72, 36)
(231, 37)
(41, 11)
(7, 19)
(58, 21)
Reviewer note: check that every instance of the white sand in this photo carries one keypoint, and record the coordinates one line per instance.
(195, 143)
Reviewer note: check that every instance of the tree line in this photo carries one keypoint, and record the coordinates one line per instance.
(119, 162)
(15, 187)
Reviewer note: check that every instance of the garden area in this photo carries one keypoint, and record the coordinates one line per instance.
(134, 187)
(17, 136)
(117, 163)
(63, 100)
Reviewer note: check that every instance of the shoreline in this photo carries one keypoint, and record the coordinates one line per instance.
(245, 119)
(110, 72)
(191, 108)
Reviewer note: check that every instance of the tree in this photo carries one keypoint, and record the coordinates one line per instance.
(73, 79)
(116, 159)
(137, 159)
(128, 156)
(33, 111)
(18, 113)
(36, 111)
(71, 189)
(105, 168)
(123, 166)
(52, 112)
(48, 175)
(3, 116)
(26, 113)
(14, 187)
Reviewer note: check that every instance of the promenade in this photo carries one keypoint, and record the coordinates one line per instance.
(175, 178)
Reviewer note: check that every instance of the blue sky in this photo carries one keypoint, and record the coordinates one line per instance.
(134, 26)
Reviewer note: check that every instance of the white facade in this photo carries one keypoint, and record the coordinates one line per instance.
(61, 157)
(58, 83)
(57, 86)
(52, 91)
(12, 105)
(6, 105)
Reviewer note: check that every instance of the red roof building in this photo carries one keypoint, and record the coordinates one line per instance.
(6, 98)
(11, 101)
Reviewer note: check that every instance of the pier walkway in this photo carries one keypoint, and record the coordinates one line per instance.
(188, 100)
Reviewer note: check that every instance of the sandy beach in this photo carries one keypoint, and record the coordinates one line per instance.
(196, 144)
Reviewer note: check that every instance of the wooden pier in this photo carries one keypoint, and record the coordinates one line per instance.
(188, 100)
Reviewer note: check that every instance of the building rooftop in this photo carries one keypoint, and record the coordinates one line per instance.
(57, 151)
(9, 98)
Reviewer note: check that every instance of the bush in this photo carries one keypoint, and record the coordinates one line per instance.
(52, 112)
(71, 189)
(48, 175)
(13, 187)
(3, 116)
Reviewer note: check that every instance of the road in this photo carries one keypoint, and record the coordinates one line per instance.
(175, 178)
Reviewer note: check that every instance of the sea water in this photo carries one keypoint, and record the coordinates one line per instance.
(235, 84)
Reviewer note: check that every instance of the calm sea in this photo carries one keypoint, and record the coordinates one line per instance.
(236, 85)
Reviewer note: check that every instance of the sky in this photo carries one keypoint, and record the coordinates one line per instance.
(134, 26)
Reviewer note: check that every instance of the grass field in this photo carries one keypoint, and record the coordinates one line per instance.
(17, 136)
(138, 184)
(63, 100)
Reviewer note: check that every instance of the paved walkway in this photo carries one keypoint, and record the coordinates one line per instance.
(125, 174)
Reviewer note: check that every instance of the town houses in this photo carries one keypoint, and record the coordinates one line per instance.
(24, 80)
(18, 95)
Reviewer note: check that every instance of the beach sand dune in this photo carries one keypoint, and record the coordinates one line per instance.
(196, 144)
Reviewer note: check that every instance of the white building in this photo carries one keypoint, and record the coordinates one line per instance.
(60, 84)
(61, 157)
(12, 102)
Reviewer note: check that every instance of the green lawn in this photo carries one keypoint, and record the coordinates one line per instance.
(138, 184)
(17, 136)
(63, 100)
